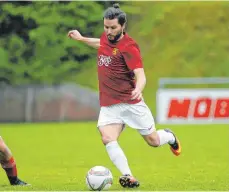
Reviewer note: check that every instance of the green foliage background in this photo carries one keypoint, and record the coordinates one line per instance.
(34, 45)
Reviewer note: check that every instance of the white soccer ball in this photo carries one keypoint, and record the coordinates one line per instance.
(99, 178)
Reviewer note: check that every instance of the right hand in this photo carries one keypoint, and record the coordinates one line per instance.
(75, 34)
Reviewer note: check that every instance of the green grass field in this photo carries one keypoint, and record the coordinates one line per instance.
(57, 156)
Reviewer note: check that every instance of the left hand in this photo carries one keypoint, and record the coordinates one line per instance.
(75, 34)
(136, 94)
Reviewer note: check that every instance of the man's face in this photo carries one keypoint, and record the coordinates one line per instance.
(113, 29)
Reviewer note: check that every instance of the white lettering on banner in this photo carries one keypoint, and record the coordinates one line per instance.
(193, 106)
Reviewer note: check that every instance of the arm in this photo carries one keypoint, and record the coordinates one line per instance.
(92, 42)
(140, 79)
(133, 60)
(140, 83)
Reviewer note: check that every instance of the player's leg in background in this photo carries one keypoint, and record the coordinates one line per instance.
(8, 164)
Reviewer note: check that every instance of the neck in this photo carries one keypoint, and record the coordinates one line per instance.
(121, 37)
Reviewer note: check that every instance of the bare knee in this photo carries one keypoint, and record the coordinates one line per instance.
(152, 139)
(110, 132)
(5, 152)
(107, 139)
(2, 145)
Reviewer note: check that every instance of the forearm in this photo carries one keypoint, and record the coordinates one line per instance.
(93, 42)
(140, 83)
(140, 78)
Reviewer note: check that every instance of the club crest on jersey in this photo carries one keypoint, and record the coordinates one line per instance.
(115, 51)
(104, 60)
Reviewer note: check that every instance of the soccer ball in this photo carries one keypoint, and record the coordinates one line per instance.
(99, 178)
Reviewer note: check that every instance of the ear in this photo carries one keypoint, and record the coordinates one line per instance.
(124, 26)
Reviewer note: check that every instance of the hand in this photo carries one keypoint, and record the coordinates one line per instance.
(75, 34)
(136, 94)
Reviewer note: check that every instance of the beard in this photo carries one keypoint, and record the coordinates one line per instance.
(116, 37)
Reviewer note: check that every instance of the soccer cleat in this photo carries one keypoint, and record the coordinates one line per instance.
(20, 182)
(176, 147)
(128, 181)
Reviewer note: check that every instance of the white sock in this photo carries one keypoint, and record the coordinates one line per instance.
(118, 157)
(165, 137)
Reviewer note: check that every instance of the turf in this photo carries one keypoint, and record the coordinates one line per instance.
(58, 156)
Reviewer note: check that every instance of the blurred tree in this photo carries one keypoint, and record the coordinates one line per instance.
(34, 45)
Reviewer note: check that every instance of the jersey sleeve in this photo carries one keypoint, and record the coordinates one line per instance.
(102, 37)
(132, 57)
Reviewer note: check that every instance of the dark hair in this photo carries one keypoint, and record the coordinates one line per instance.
(115, 12)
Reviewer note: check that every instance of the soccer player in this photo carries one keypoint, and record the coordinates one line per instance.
(8, 164)
(121, 82)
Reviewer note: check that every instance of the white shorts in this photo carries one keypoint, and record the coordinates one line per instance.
(137, 116)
